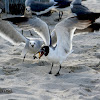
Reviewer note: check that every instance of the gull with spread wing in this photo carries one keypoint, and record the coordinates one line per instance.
(64, 31)
(25, 22)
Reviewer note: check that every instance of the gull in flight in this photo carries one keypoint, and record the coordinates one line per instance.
(64, 31)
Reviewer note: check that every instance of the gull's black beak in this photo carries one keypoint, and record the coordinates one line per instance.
(41, 52)
(32, 45)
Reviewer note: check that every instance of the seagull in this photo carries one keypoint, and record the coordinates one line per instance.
(64, 31)
(8, 32)
(62, 5)
(83, 13)
(39, 8)
(78, 9)
(32, 45)
(25, 22)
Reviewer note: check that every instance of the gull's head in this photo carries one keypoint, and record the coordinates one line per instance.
(28, 12)
(43, 51)
(32, 44)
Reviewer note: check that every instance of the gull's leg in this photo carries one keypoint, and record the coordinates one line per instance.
(61, 14)
(30, 33)
(59, 17)
(57, 74)
(22, 32)
(24, 57)
(51, 69)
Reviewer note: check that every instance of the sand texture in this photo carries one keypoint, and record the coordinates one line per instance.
(29, 80)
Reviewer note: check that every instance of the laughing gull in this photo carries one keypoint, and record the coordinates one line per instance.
(64, 31)
(39, 8)
(62, 5)
(83, 12)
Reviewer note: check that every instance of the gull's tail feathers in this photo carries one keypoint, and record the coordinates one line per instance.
(91, 28)
(8, 32)
(90, 16)
(16, 20)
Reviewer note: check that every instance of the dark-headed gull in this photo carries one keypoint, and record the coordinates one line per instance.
(64, 31)
(62, 5)
(82, 12)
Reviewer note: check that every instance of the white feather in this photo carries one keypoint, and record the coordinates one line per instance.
(8, 32)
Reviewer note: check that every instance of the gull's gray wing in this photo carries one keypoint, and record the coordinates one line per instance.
(94, 27)
(37, 6)
(16, 20)
(80, 9)
(65, 31)
(34, 23)
(8, 32)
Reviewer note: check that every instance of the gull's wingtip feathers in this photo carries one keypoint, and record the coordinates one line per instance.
(91, 28)
(16, 20)
(8, 32)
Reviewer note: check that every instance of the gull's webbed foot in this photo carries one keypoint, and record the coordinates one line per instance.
(50, 72)
(57, 74)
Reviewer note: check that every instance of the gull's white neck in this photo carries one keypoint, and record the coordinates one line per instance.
(29, 15)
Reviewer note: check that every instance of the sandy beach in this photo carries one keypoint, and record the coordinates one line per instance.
(29, 80)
